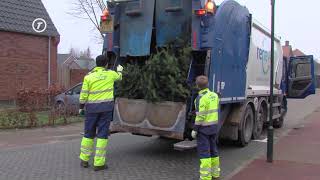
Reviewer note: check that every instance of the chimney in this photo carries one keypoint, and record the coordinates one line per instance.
(287, 43)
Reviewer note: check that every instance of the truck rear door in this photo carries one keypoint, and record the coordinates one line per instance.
(136, 20)
(172, 21)
(301, 79)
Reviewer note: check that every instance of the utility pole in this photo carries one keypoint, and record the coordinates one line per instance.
(270, 125)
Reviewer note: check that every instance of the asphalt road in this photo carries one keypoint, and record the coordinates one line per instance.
(52, 153)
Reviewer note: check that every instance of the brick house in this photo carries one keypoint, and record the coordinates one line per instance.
(71, 70)
(298, 52)
(28, 59)
(288, 52)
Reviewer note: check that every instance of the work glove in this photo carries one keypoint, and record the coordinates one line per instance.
(119, 68)
(194, 134)
(81, 112)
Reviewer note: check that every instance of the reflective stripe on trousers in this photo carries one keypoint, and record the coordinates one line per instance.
(86, 149)
(205, 169)
(215, 165)
(100, 156)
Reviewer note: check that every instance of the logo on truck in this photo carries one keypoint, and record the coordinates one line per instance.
(264, 56)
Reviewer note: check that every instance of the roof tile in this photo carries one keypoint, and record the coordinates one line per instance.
(18, 15)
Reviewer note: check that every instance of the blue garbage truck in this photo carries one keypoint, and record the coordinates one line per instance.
(227, 45)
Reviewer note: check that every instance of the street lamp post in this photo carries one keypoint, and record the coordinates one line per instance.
(270, 126)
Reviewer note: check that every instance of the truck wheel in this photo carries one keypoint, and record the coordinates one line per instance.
(283, 109)
(246, 127)
(261, 118)
(278, 123)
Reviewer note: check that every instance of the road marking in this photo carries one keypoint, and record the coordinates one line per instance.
(62, 136)
(262, 140)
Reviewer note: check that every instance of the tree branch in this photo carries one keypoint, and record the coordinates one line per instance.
(94, 12)
(87, 13)
(87, 9)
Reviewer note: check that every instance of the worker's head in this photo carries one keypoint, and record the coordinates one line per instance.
(202, 82)
(101, 61)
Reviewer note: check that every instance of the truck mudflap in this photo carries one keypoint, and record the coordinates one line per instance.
(139, 117)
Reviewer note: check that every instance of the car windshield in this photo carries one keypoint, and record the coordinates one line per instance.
(77, 89)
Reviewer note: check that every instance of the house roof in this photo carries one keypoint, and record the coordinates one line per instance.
(297, 52)
(86, 63)
(61, 58)
(70, 62)
(75, 63)
(18, 16)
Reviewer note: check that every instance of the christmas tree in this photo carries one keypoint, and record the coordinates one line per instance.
(161, 78)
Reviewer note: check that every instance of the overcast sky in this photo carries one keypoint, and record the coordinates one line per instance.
(298, 23)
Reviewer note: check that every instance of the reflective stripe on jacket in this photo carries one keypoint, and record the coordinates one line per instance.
(207, 107)
(97, 90)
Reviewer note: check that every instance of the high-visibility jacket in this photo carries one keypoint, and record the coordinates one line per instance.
(97, 90)
(207, 111)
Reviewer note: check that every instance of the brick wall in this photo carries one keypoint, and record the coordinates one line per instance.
(76, 76)
(24, 62)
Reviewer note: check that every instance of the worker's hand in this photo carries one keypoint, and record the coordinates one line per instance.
(81, 112)
(119, 68)
(194, 134)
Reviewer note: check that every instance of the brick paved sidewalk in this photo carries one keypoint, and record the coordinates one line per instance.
(297, 156)
(27, 137)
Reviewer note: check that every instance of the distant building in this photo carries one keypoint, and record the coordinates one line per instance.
(24, 53)
(287, 50)
(71, 70)
(298, 52)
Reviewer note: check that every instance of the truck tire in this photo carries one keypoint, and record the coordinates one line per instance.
(278, 123)
(246, 127)
(261, 118)
(283, 110)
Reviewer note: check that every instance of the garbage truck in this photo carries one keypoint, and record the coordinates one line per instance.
(227, 45)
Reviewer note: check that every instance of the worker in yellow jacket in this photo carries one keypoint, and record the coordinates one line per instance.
(206, 130)
(97, 101)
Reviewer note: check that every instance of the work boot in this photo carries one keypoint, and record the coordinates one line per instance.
(99, 168)
(84, 164)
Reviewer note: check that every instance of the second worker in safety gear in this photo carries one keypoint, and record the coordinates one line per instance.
(97, 101)
(206, 129)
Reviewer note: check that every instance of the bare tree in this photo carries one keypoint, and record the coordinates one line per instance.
(74, 52)
(86, 53)
(80, 53)
(89, 10)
